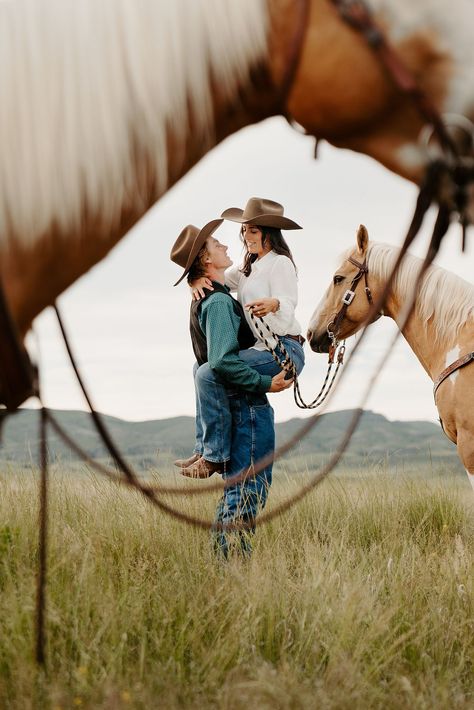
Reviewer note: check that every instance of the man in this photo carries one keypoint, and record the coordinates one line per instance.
(218, 331)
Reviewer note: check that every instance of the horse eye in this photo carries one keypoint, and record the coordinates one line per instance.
(337, 279)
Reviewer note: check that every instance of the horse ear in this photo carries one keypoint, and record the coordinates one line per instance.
(362, 239)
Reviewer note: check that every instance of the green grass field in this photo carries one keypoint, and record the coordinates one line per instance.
(360, 597)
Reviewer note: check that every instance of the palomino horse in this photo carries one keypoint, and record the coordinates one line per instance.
(440, 331)
(105, 105)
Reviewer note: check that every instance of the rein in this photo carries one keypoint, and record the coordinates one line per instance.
(336, 349)
(287, 364)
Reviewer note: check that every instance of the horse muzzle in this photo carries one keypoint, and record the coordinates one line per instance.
(319, 342)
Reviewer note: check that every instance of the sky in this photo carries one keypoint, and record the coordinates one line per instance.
(129, 326)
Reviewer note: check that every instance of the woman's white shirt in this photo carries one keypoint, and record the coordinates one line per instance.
(272, 276)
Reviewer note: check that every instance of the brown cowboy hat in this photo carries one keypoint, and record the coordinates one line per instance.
(187, 246)
(262, 212)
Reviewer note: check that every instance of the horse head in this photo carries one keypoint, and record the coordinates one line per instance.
(345, 306)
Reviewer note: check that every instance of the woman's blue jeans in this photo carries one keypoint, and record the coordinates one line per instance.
(213, 412)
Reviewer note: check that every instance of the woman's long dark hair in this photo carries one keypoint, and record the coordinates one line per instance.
(272, 236)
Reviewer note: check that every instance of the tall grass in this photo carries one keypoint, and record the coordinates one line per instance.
(360, 597)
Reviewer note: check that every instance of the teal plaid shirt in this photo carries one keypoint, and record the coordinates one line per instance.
(221, 325)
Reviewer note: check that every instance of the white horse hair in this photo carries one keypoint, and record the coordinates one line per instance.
(442, 292)
(94, 82)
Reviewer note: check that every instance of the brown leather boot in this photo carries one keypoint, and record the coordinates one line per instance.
(182, 463)
(202, 469)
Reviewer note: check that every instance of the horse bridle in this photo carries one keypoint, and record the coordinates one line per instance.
(334, 325)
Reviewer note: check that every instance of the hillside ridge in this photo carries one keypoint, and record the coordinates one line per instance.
(153, 442)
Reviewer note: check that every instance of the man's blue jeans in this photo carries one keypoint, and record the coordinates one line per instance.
(213, 413)
(253, 437)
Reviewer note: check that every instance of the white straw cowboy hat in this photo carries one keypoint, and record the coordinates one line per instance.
(261, 212)
(187, 246)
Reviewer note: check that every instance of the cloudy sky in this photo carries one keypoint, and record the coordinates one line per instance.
(129, 326)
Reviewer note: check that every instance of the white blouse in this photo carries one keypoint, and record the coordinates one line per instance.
(272, 276)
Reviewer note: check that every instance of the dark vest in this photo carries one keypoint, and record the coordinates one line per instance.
(245, 336)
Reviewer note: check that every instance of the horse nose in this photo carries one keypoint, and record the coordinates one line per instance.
(318, 342)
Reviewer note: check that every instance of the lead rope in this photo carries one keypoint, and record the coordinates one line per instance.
(42, 544)
(336, 352)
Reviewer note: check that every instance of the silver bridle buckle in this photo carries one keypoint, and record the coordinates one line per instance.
(331, 334)
(348, 297)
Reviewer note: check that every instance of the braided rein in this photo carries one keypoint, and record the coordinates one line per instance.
(286, 363)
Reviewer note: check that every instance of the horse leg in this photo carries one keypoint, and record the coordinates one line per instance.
(466, 452)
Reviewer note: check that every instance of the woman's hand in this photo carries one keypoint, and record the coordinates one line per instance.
(263, 306)
(197, 287)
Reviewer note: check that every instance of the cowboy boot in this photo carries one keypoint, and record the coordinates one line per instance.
(182, 463)
(202, 468)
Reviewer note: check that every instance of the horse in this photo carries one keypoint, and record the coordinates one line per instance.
(440, 331)
(104, 106)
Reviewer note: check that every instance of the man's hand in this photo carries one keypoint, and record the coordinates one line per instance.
(279, 383)
(263, 306)
(197, 287)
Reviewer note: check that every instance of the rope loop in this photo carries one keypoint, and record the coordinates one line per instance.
(287, 364)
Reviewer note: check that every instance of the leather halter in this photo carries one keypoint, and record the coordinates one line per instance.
(456, 365)
(348, 297)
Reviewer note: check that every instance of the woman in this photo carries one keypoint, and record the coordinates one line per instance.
(266, 285)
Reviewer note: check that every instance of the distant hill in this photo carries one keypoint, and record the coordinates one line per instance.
(156, 443)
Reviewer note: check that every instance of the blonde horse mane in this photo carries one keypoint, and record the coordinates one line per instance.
(86, 87)
(443, 296)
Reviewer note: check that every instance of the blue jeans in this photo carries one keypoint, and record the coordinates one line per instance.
(213, 414)
(253, 437)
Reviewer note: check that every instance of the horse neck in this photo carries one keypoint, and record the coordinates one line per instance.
(433, 351)
(420, 337)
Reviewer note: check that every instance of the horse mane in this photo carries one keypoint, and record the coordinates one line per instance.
(88, 91)
(446, 298)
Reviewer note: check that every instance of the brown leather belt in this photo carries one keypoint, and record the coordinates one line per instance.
(299, 338)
